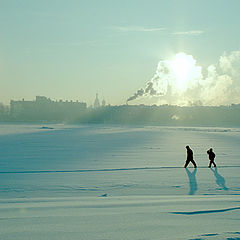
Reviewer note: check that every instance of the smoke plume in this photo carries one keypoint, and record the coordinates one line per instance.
(187, 85)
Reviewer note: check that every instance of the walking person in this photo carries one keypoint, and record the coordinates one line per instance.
(211, 156)
(190, 157)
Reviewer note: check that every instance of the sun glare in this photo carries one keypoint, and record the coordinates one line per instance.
(182, 65)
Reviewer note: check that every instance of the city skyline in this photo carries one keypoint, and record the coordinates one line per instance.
(44, 109)
(74, 49)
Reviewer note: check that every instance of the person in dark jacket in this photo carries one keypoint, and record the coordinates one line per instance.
(190, 157)
(211, 156)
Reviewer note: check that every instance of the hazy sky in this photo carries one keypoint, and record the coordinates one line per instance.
(73, 49)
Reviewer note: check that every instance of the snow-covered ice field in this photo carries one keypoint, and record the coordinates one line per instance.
(112, 182)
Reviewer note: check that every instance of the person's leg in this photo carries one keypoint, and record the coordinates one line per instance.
(194, 163)
(210, 163)
(186, 163)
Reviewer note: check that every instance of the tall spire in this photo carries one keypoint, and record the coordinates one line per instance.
(96, 102)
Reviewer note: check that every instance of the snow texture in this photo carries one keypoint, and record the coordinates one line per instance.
(117, 182)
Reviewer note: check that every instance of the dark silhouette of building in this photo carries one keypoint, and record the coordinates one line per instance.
(4, 112)
(103, 103)
(169, 115)
(45, 109)
(96, 102)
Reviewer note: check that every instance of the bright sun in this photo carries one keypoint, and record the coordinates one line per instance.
(182, 66)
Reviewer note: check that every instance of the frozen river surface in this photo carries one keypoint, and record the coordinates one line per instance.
(112, 182)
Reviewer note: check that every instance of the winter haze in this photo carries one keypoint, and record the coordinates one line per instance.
(103, 103)
(121, 50)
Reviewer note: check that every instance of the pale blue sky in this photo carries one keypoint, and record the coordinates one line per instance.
(73, 49)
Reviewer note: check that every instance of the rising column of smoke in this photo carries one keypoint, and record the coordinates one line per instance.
(158, 85)
(219, 86)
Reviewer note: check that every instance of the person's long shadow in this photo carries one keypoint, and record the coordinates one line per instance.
(192, 181)
(220, 179)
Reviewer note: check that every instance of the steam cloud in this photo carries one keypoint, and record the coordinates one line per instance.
(220, 85)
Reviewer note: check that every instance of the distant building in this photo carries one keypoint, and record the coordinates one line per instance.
(96, 102)
(4, 111)
(44, 108)
(103, 103)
